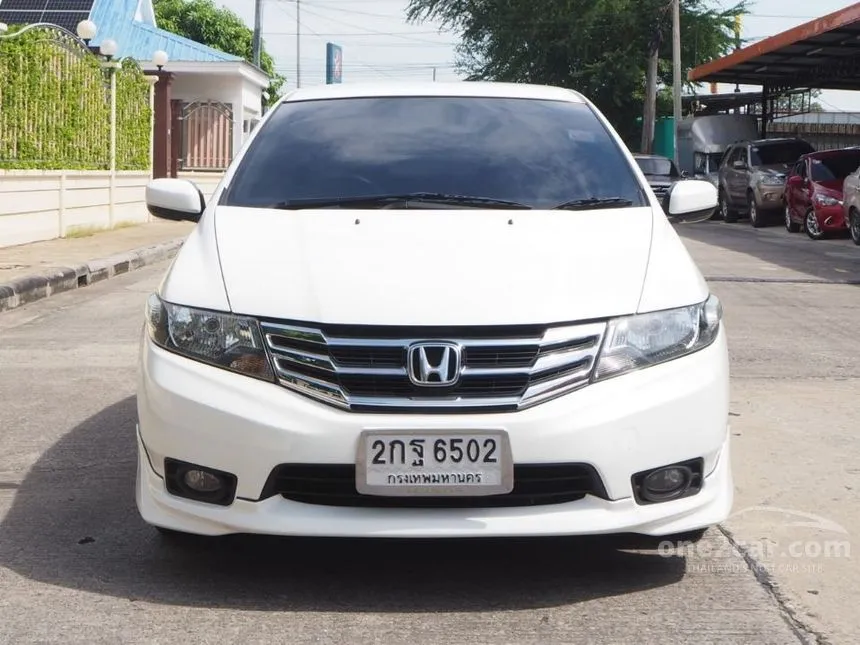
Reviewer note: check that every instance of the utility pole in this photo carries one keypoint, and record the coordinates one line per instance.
(649, 111)
(298, 44)
(258, 22)
(676, 70)
(434, 74)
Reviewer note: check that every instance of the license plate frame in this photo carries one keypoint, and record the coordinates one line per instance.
(500, 484)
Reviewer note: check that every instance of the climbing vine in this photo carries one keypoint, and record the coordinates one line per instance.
(133, 116)
(55, 107)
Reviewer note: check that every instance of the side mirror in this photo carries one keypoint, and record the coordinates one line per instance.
(175, 199)
(694, 200)
(740, 164)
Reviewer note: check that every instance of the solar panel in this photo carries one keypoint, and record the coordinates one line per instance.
(67, 19)
(19, 17)
(65, 13)
(23, 5)
(69, 5)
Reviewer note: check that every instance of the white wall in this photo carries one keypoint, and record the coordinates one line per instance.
(40, 205)
(252, 98)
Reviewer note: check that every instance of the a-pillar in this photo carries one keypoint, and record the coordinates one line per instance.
(238, 120)
(161, 145)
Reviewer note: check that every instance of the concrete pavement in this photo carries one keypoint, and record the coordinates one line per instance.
(77, 565)
(795, 366)
(30, 272)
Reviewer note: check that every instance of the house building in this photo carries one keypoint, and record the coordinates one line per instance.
(214, 99)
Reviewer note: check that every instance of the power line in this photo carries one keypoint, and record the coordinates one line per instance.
(371, 31)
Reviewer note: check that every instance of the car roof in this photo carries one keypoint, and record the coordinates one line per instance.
(764, 142)
(830, 153)
(431, 88)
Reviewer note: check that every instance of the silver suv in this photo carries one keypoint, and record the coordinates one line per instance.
(752, 178)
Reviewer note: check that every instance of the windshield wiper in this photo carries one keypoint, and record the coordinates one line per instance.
(592, 203)
(384, 200)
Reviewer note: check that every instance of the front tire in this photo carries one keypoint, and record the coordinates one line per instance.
(811, 226)
(854, 226)
(790, 225)
(756, 217)
(729, 215)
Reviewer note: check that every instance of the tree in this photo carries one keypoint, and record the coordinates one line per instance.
(598, 47)
(794, 104)
(206, 23)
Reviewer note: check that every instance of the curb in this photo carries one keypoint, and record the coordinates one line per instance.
(61, 279)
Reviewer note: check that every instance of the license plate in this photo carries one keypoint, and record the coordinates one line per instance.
(434, 463)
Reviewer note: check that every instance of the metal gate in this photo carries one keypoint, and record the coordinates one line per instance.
(207, 135)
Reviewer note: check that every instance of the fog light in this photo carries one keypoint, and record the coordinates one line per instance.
(666, 483)
(202, 481)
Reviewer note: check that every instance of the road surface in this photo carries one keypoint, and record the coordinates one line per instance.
(77, 565)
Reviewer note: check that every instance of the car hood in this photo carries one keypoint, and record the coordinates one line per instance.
(433, 267)
(775, 170)
(832, 187)
(660, 179)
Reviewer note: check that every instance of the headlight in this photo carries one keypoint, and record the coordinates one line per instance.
(826, 200)
(770, 180)
(634, 342)
(227, 341)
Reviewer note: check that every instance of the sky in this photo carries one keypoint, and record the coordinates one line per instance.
(378, 43)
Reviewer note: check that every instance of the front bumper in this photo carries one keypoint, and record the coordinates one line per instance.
(655, 417)
(769, 197)
(831, 218)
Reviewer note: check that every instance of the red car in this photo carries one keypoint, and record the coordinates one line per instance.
(813, 192)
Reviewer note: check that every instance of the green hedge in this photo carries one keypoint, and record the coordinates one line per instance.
(55, 107)
(133, 117)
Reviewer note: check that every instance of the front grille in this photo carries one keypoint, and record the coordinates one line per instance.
(366, 367)
(334, 485)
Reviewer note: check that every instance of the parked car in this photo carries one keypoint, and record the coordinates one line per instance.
(851, 204)
(752, 178)
(813, 193)
(390, 322)
(661, 174)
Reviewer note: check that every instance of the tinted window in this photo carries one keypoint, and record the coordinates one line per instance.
(835, 167)
(657, 166)
(536, 152)
(778, 153)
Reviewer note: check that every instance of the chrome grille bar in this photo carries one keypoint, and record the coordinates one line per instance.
(366, 369)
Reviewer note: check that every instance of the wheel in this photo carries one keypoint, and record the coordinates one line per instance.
(854, 226)
(811, 225)
(756, 217)
(790, 225)
(728, 213)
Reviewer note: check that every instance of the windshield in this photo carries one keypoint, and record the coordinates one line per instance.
(657, 166)
(779, 153)
(835, 167)
(537, 153)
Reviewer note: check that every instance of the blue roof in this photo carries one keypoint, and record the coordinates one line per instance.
(139, 40)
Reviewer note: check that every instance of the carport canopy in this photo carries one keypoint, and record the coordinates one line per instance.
(822, 54)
